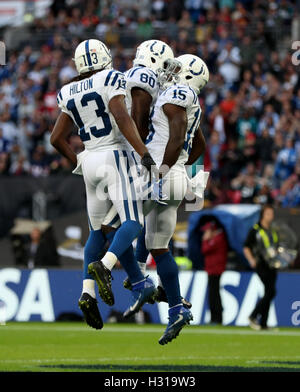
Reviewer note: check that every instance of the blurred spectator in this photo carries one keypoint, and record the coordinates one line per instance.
(263, 195)
(218, 123)
(39, 162)
(269, 120)
(4, 164)
(290, 189)
(252, 99)
(4, 143)
(246, 123)
(231, 160)
(229, 61)
(264, 148)
(41, 249)
(247, 187)
(144, 29)
(213, 150)
(185, 22)
(214, 248)
(285, 162)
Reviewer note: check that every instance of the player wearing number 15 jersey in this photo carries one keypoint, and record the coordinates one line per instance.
(175, 137)
(95, 102)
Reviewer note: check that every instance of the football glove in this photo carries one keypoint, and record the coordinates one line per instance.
(148, 166)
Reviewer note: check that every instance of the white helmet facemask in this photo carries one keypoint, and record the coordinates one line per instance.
(169, 74)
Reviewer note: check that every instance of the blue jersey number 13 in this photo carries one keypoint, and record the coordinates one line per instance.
(100, 112)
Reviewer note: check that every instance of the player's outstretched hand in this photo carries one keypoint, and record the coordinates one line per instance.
(149, 166)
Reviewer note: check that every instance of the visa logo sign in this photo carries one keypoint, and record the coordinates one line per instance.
(236, 310)
(36, 298)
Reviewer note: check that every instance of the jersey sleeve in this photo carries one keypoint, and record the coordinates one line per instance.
(115, 84)
(143, 78)
(178, 95)
(61, 103)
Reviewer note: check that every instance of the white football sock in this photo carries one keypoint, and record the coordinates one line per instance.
(88, 286)
(109, 260)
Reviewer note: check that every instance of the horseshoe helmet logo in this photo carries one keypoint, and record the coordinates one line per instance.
(157, 53)
(194, 72)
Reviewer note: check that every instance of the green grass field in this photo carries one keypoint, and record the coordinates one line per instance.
(75, 347)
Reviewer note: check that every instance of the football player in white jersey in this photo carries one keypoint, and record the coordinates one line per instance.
(95, 102)
(175, 139)
(142, 91)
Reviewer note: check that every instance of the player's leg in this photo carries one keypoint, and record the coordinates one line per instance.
(97, 207)
(87, 302)
(123, 194)
(163, 221)
(160, 227)
(130, 209)
(127, 260)
(141, 254)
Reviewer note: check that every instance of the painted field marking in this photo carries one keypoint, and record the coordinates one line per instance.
(156, 330)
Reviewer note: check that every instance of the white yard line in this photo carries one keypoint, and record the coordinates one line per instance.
(138, 359)
(109, 359)
(140, 329)
(58, 361)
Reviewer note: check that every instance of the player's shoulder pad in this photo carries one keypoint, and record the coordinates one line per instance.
(62, 94)
(179, 94)
(135, 72)
(114, 79)
(142, 77)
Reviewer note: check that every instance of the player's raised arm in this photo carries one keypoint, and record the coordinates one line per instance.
(198, 147)
(59, 136)
(177, 129)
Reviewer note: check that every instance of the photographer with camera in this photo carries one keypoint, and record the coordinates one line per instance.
(260, 248)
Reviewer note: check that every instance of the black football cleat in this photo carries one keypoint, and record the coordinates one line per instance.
(127, 284)
(102, 276)
(89, 308)
(161, 296)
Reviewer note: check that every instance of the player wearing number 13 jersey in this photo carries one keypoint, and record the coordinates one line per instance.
(95, 102)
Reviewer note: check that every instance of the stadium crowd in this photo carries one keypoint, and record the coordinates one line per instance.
(251, 106)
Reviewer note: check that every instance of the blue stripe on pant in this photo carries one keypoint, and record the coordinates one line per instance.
(123, 184)
(132, 188)
(128, 187)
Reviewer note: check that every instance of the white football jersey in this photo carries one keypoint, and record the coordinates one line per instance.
(86, 102)
(144, 78)
(158, 137)
(141, 77)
